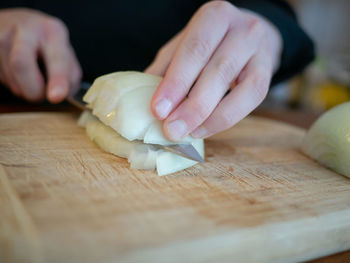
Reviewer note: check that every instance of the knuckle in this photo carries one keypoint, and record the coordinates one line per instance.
(255, 26)
(197, 47)
(218, 7)
(226, 68)
(56, 26)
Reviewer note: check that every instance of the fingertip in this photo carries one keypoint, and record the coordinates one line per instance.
(200, 132)
(57, 93)
(175, 130)
(154, 112)
(166, 133)
(161, 108)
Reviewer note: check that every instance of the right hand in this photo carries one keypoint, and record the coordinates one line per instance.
(27, 35)
(216, 70)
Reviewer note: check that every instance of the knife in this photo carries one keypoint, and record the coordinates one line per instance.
(184, 150)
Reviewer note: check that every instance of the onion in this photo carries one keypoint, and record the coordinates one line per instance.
(125, 125)
(106, 91)
(328, 140)
(109, 140)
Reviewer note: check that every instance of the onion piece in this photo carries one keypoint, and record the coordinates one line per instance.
(85, 117)
(140, 155)
(143, 157)
(328, 140)
(105, 92)
(109, 140)
(133, 115)
(154, 135)
(121, 101)
(168, 163)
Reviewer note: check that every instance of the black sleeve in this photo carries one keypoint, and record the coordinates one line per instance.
(15, 3)
(298, 48)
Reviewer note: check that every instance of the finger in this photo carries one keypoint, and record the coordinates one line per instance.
(23, 67)
(227, 62)
(249, 93)
(203, 34)
(76, 73)
(5, 76)
(164, 56)
(57, 58)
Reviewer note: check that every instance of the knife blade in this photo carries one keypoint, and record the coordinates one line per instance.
(184, 150)
(76, 99)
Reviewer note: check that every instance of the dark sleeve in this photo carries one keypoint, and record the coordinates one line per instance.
(15, 3)
(298, 48)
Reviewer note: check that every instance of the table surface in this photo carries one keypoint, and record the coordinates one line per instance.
(299, 118)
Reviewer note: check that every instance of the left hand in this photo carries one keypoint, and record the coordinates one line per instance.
(222, 48)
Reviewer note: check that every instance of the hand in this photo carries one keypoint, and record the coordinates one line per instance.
(222, 49)
(27, 35)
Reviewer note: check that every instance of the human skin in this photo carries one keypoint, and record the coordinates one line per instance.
(222, 48)
(27, 35)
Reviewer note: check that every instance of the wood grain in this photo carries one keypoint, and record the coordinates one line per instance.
(256, 199)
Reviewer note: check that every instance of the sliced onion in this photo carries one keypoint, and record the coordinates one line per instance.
(109, 140)
(139, 154)
(154, 135)
(126, 127)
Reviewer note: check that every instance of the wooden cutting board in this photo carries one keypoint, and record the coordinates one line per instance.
(256, 199)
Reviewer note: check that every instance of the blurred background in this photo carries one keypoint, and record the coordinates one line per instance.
(326, 82)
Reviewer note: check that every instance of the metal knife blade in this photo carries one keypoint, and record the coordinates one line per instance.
(184, 150)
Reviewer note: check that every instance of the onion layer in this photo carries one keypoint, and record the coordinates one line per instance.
(122, 122)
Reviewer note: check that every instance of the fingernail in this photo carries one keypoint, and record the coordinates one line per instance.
(200, 132)
(177, 129)
(56, 92)
(163, 108)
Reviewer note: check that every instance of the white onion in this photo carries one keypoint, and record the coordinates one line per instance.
(328, 140)
(125, 125)
(109, 140)
(105, 92)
